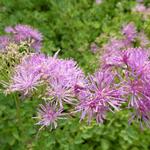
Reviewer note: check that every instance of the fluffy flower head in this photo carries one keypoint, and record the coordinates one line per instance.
(129, 31)
(26, 33)
(48, 115)
(99, 97)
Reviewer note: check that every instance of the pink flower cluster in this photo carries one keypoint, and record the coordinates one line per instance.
(131, 67)
(122, 82)
(133, 71)
(113, 49)
(99, 96)
(123, 79)
(21, 33)
(59, 78)
(142, 9)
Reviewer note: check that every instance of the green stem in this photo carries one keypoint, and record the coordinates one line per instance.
(18, 115)
(17, 108)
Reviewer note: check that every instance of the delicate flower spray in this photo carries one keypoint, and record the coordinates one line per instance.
(131, 65)
(24, 33)
(122, 81)
(16, 45)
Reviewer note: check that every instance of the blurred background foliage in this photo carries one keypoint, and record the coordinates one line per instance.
(71, 26)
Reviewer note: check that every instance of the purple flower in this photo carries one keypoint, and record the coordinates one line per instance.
(132, 68)
(4, 42)
(112, 58)
(135, 88)
(93, 109)
(60, 91)
(27, 75)
(26, 33)
(143, 39)
(48, 115)
(145, 73)
(142, 113)
(130, 32)
(113, 53)
(100, 96)
(33, 63)
(24, 81)
(132, 57)
(59, 76)
(67, 70)
(10, 29)
(137, 83)
(139, 101)
(135, 58)
(139, 8)
(23, 32)
(114, 45)
(64, 75)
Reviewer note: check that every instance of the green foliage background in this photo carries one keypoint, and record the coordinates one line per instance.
(70, 25)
